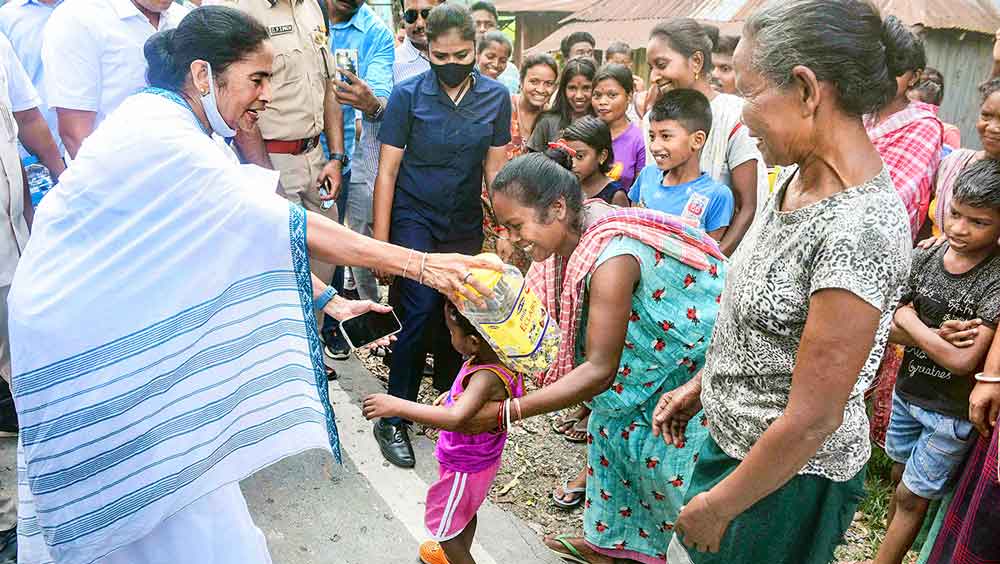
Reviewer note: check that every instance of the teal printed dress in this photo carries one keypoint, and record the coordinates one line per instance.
(636, 483)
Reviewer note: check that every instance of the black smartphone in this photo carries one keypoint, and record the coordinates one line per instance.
(369, 327)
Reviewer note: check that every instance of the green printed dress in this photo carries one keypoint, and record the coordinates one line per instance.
(636, 483)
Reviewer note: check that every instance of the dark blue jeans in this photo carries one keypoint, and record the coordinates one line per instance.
(421, 311)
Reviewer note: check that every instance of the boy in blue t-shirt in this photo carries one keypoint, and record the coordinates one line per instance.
(678, 128)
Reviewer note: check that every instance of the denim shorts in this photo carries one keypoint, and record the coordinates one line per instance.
(931, 445)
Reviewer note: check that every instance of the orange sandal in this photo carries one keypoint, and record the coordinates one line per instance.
(432, 553)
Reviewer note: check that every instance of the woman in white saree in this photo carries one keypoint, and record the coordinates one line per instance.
(200, 363)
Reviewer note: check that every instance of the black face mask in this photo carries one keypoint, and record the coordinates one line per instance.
(452, 74)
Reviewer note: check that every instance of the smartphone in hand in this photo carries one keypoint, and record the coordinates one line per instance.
(369, 327)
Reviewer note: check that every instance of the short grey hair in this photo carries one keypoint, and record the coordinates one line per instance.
(841, 41)
(978, 186)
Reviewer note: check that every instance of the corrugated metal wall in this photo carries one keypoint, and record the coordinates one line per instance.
(965, 59)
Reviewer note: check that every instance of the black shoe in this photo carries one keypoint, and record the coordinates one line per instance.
(338, 351)
(394, 441)
(8, 546)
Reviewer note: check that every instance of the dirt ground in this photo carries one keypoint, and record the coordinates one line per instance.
(536, 460)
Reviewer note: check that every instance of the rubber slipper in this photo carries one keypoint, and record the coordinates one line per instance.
(574, 554)
(559, 426)
(556, 499)
(580, 432)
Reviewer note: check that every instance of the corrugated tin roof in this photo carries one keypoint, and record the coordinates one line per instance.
(635, 33)
(524, 6)
(631, 21)
(971, 15)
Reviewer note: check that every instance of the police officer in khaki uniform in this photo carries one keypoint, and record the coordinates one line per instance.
(303, 106)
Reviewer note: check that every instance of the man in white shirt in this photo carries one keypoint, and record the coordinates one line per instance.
(22, 21)
(24, 101)
(93, 58)
(15, 214)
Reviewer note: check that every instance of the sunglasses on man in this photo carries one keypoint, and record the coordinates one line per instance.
(410, 16)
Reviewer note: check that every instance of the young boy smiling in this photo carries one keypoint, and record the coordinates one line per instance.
(930, 432)
(678, 128)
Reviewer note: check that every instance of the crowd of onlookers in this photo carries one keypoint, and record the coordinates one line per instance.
(433, 139)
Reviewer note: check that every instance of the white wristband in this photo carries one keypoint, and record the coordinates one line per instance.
(980, 377)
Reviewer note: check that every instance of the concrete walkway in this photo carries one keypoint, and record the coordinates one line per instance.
(314, 511)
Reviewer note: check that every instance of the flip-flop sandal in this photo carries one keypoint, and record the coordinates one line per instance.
(579, 493)
(562, 425)
(331, 374)
(577, 434)
(573, 555)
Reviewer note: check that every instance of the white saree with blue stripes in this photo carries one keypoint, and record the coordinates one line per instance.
(162, 333)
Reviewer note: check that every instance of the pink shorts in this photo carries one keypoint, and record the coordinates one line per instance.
(454, 499)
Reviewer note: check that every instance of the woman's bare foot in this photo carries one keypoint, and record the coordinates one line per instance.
(589, 554)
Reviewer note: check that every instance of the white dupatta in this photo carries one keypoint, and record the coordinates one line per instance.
(162, 334)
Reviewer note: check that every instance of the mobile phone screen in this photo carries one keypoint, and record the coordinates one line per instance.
(370, 327)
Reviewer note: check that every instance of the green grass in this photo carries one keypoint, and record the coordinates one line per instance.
(875, 505)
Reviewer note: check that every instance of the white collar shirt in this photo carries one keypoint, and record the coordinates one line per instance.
(22, 22)
(92, 51)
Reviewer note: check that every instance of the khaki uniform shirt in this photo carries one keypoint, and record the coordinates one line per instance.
(13, 227)
(302, 65)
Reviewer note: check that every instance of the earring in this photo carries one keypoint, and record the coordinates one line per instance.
(697, 76)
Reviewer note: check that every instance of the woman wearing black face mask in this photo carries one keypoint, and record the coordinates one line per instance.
(454, 125)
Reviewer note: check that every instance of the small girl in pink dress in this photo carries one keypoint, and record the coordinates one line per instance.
(468, 463)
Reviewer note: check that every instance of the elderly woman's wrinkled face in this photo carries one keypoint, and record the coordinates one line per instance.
(769, 112)
(539, 234)
(244, 89)
(988, 125)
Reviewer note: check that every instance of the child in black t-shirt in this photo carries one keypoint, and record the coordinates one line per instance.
(930, 433)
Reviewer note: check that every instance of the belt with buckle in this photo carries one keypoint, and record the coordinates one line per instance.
(295, 147)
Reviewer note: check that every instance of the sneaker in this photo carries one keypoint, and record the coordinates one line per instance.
(337, 352)
(432, 553)
(8, 428)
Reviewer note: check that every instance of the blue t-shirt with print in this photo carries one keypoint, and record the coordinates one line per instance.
(703, 199)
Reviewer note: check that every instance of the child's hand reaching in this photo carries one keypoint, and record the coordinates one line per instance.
(379, 405)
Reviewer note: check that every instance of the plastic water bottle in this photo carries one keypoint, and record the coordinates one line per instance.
(39, 179)
(514, 320)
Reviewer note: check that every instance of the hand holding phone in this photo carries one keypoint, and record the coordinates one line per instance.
(369, 327)
(324, 191)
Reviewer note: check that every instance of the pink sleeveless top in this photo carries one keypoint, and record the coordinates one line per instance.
(460, 452)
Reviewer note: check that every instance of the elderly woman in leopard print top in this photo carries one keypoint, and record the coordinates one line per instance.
(808, 302)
